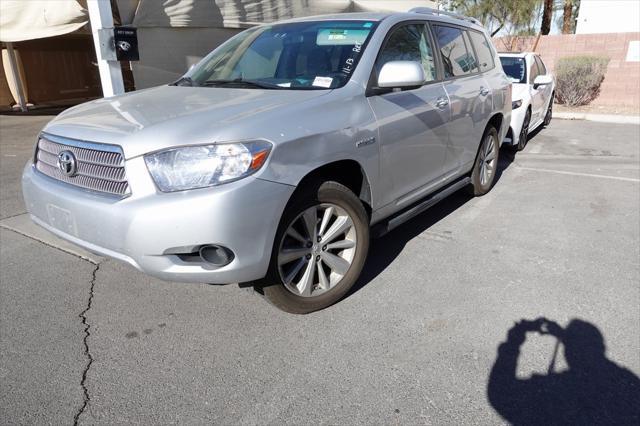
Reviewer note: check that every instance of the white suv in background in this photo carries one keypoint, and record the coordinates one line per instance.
(532, 95)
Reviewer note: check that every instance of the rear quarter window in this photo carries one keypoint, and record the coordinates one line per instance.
(483, 50)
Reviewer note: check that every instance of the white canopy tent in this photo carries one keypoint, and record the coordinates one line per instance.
(27, 20)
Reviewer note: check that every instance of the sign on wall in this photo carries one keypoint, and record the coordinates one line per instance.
(126, 43)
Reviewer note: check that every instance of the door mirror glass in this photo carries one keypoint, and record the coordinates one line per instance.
(396, 74)
(542, 80)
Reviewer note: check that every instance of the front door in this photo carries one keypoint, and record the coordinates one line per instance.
(412, 123)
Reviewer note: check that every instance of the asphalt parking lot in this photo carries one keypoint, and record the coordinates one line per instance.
(95, 341)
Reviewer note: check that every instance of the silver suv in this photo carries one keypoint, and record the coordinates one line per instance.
(274, 159)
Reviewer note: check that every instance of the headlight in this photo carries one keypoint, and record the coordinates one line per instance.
(205, 165)
(516, 104)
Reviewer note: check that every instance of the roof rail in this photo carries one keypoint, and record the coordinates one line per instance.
(431, 11)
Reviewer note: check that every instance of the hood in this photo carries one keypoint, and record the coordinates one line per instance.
(519, 91)
(168, 116)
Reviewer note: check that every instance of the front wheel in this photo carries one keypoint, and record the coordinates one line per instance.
(549, 114)
(484, 169)
(524, 131)
(320, 249)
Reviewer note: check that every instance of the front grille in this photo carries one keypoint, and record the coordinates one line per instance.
(99, 167)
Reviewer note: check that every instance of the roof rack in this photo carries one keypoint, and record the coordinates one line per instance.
(431, 11)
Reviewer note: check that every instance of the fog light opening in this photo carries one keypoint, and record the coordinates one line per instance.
(216, 255)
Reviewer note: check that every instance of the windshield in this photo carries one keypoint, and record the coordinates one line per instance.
(300, 55)
(514, 68)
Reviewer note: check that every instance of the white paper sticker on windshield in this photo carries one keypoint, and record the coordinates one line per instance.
(323, 81)
(284, 84)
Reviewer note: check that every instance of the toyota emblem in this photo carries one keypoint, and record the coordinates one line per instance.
(67, 163)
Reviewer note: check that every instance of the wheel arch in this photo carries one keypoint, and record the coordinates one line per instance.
(347, 172)
(496, 121)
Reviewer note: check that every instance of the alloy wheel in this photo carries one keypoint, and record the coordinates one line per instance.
(524, 132)
(488, 160)
(547, 117)
(317, 250)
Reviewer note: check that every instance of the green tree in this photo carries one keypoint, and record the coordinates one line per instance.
(498, 14)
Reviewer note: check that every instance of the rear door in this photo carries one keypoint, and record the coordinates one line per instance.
(412, 123)
(537, 93)
(493, 75)
(468, 92)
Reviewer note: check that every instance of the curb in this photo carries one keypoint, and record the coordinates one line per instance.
(603, 118)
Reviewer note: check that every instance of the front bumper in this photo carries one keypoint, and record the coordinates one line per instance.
(149, 227)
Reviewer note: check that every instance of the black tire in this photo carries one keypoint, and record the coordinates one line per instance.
(549, 114)
(523, 138)
(273, 287)
(478, 187)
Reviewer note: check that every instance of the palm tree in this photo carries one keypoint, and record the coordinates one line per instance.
(547, 13)
(569, 15)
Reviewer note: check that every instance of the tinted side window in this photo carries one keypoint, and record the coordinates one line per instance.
(483, 50)
(534, 71)
(456, 59)
(409, 43)
(541, 68)
(472, 65)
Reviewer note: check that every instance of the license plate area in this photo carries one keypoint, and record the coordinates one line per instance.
(62, 219)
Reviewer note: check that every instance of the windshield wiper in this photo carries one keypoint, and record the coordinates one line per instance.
(241, 83)
(184, 81)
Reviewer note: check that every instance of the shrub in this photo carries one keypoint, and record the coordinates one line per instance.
(578, 79)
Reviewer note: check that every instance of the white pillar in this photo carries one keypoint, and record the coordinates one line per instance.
(13, 66)
(101, 17)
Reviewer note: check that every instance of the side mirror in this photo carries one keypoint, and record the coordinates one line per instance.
(398, 74)
(542, 80)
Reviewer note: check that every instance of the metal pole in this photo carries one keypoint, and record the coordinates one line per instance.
(101, 17)
(15, 73)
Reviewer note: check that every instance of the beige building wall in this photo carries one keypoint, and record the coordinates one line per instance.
(621, 85)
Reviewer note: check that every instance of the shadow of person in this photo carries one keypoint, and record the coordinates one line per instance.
(594, 390)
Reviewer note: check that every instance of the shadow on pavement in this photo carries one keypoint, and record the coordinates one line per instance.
(594, 390)
(384, 250)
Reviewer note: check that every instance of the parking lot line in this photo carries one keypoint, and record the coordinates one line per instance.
(562, 172)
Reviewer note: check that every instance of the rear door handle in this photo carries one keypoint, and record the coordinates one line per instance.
(442, 102)
(484, 91)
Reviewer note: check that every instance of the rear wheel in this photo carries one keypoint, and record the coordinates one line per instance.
(320, 249)
(524, 132)
(484, 170)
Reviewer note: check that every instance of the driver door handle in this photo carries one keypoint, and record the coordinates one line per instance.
(442, 102)
(484, 91)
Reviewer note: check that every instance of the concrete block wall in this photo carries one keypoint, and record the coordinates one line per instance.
(621, 85)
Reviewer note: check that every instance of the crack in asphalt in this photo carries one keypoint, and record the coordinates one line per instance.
(87, 333)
